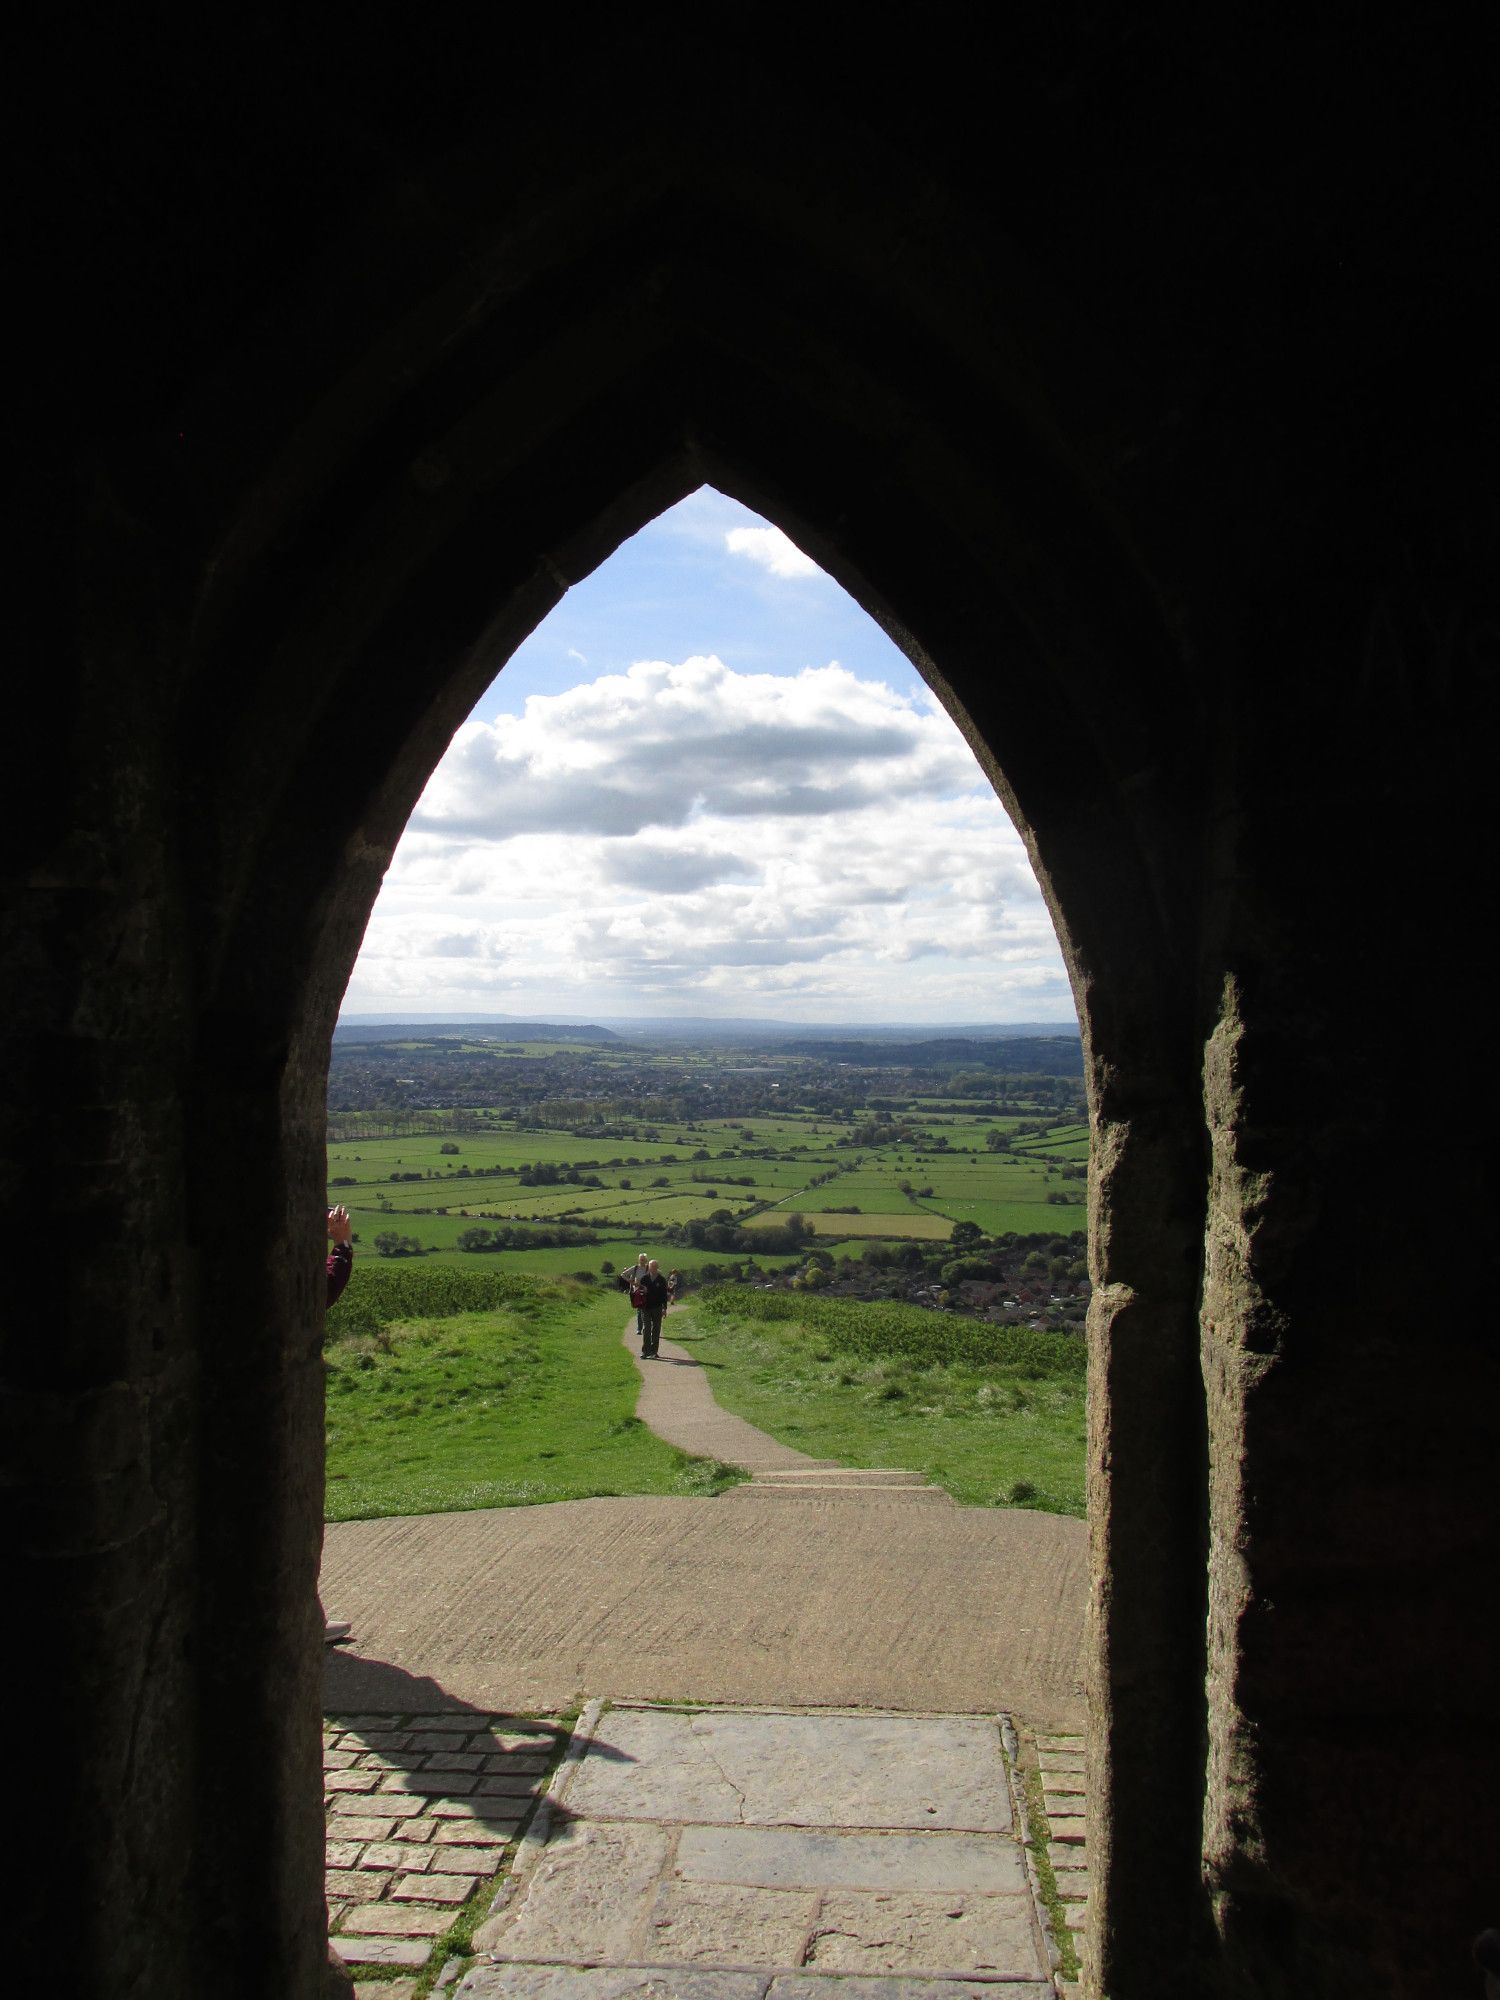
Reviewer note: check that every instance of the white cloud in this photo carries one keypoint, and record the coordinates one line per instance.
(772, 550)
(686, 838)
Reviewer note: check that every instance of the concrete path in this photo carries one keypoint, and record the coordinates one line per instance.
(770, 1856)
(790, 1589)
(677, 1402)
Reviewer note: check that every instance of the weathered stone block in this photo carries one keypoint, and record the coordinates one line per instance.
(721, 1923)
(433, 1889)
(354, 1885)
(472, 1860)
(471, 1832)
(589, 1898)
(797, 1770)
(776, 1857)
(350, 1781)
(609, 1982)
(504, 1813)
(429, 1783)
(898, 1933)
(501, 1780)
(810, 1986)
(358, 1827)
(393, 1920)
(393, 1805)
(399, 1856)
(383, 1950)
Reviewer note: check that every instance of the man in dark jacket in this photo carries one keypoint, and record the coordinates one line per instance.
(651, 1312)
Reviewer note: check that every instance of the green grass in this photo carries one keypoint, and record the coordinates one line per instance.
(453, 1389)
(999, 1192)
(1036, 1822)
(994, 1415)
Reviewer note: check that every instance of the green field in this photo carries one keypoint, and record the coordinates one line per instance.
(903, 1189)
(435, 1409)
(995, 1415)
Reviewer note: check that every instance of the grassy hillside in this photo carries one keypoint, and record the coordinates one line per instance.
(993, 1414)
(452, 1389)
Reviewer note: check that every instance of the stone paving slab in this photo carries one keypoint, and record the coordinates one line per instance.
(925, 1933)
(607, 1982)
(588, 1898)
(809, 1770)
(678, 1840)
(385, 1951)
(728, 1923)
(645, 1982)
(775, 1857)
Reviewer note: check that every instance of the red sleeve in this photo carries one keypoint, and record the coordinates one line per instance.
(340, 1264)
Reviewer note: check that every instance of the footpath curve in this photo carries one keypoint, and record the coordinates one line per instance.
(809, 1585)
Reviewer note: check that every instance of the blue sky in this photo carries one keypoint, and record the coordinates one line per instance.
(708, 784)
(675, 590)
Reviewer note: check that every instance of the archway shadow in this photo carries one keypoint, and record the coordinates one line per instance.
(353, 1686)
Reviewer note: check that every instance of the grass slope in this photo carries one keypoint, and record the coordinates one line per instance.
(449, 1390)
(992, 1414)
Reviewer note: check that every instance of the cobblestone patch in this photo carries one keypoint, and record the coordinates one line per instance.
(422, 1811)
(1061, 1763)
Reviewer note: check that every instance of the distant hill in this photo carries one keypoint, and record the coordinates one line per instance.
(706, 1028)
(712, 1028)
(469, 1031)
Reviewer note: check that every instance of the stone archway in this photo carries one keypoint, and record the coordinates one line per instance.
(321, 503)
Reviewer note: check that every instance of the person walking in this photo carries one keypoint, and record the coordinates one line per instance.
(632, 1282)
(656, 1305)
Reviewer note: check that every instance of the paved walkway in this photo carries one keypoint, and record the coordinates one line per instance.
(770, 1856)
